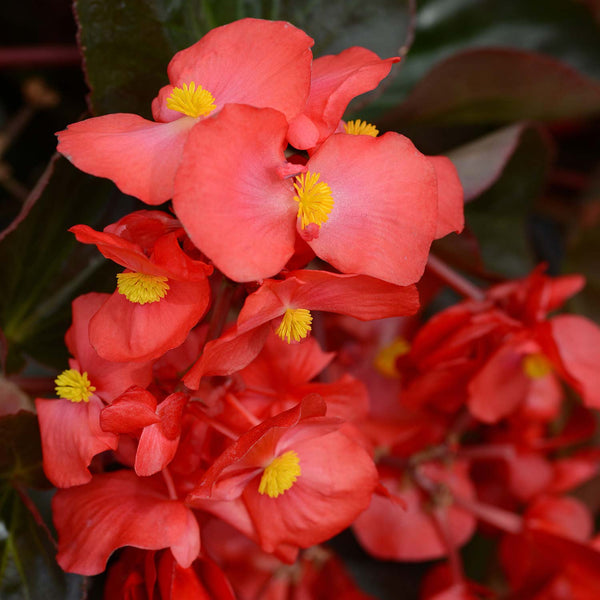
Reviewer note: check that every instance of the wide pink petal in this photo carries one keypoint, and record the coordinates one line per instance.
(140, 156)
(451, 212)
(109, 378)
(577, 346)
(71, 437)
(230, 196)
(385, 210)
(120, 509)
(251, 61)
(126, 331)
(336, 79)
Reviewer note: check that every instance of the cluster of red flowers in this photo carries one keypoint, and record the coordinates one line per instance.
(222, 459)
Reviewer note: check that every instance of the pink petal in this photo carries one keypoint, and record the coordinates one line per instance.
(251, 61)
(140, 156)
(451, 213)
(336, 79)
(120, 509)
(385, 206)
(230, 197)
(133, 410)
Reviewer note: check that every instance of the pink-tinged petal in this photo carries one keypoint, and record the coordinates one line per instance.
(71, 437)
(230, 197)
(451, 213)
(574, 342)
(385, 210)
(168, 254)
(227, 354)
(564, 516)
(120, 509)
(144, 227)
(335, 485)
(159, 442)
(140, 156)
(336, 79)
(124, 331)
(109, 378)
(133, 410)
(251, 61)
(500, 386)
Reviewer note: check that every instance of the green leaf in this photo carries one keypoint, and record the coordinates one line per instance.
(21, 450)
(28, 570)
(42, 268)
(499, 218)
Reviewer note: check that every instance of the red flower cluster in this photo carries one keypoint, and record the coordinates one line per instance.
(221, 456)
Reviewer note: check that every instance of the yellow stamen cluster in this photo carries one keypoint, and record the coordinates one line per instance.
(295, 324)
(385, 361)
(191, 100)
(74, 386)
(359, 127)
(314, 199)
(141, 288)
(280, 475)
(536, 366)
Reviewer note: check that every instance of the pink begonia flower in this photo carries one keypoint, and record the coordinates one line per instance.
(251, 61)
(366, 205)
(70, 426)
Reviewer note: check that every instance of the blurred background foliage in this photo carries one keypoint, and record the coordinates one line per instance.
(508, 89)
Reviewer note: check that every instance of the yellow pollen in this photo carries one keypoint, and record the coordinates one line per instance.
(359, 127)
(74, 386)
(314, 199)
(385, 361)
(280, 475)
(536, 366)
(141, 288)
(191, 100)
(295, 324)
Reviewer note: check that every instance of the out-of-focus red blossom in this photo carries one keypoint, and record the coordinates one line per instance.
(149, 575)
(142, 156)
(334, 483)
(441, 583)
(121, 509)
(502, 353)
(124, 329)
(429, 526)
(255, 575)
(70, 431)
(358, 296)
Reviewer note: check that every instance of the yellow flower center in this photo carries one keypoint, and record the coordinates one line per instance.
(294, 325)
(74, 386)
(359, 127)
(385, 361)
(536, 366)
(191, 100)
(280, 475)
(314, 199)
(141, 288)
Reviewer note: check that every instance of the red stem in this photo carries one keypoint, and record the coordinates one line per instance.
(198, 412)
(456, 281)
(39, 56)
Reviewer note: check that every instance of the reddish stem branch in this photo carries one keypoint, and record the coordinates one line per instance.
(456, 281)
(198, 412)
(39, 56)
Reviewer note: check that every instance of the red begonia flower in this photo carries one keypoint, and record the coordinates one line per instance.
(336, 79)
(251, 61)
(120, 509)
(125, 327)
(359, 296)
(373, 209)
(299, 477)
(70, 427)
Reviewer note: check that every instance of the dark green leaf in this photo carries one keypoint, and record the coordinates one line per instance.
(28, 570)
(499, 218)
